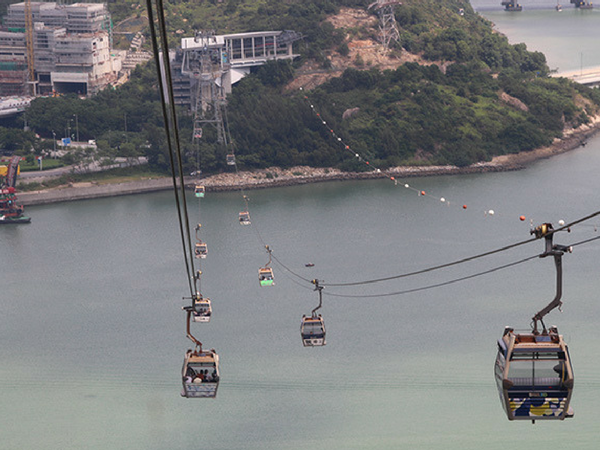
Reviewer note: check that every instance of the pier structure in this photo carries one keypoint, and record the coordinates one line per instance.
(588, 77)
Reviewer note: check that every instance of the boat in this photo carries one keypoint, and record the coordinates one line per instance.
(10, 211)
(7, 219)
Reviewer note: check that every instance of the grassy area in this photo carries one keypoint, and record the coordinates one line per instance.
(120, 175)
(46, 165)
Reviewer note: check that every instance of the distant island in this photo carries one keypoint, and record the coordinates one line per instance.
(449, 91)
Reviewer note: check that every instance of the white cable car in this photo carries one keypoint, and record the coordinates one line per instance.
(200, 374)
(244, 218)
(199, 191)
(533, 370)
(534, 376)
(202, 309)
(200, 371)
(230, 159)
(312, 330)
(201, 250)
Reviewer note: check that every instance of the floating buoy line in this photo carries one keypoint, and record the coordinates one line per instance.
(530, 397)
(361, 158)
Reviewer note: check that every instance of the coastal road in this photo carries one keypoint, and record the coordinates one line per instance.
(38, 176)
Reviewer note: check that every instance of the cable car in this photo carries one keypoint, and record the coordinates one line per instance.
(312, 330)
(230, 159)
(200, 374)
(245, 218)
(199, 191)
(533, 370)
(201, 250)
(202, 309)
(265, 276)
(534, 375)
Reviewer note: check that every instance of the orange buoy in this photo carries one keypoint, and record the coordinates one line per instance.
(464, 206)
(522, 218)
(422, 192)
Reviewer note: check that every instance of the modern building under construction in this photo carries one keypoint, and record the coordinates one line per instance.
(47, 48)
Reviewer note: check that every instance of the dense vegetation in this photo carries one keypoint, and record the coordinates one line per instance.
(415, 114)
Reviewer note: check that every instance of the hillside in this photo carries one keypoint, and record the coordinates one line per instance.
(452, 91)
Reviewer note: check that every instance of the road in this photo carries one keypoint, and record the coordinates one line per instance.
(38, 176)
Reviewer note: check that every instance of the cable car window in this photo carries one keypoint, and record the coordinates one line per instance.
(541, 369)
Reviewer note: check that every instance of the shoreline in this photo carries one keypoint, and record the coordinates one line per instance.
(276, 177)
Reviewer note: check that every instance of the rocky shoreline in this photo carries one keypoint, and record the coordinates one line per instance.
(276, 177)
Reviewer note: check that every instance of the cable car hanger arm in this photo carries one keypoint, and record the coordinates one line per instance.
(545, 230)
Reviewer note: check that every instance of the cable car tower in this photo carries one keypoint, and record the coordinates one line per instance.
(207, 66)
(387, 22)
(533, 370)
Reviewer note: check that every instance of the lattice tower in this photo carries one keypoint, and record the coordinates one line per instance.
(388, 27)
(210, 102)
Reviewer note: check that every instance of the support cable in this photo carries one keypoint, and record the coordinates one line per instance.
(464, 260)
(431, 286)
(167, 121)
(167, 64)
(456, 280)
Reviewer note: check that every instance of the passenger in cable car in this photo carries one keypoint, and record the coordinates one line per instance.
(265, 276)
(245, 218)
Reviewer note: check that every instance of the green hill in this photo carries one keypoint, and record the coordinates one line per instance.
(451, 91)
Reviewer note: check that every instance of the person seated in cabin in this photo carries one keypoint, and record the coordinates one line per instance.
(199, 377)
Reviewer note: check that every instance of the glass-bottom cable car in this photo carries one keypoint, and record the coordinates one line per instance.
(534, 376)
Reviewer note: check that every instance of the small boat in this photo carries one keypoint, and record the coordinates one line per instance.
(14, 219)
(309, 264)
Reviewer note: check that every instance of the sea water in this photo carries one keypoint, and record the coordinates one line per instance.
(93, 335)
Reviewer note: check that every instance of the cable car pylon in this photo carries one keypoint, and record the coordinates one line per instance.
(533, 371)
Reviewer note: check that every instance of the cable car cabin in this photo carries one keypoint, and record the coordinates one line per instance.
(202, 310)
(534, 376)
(201, 250)
(265, 276)
(199, 191)
(231, 160)
(200, 374)
(245, 218)
(312, 331)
